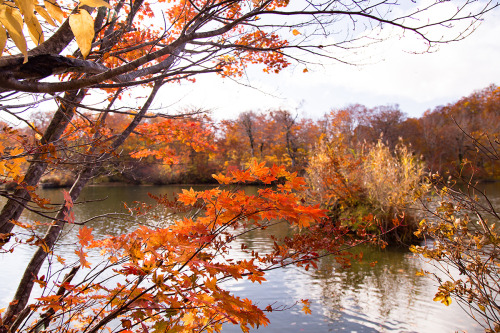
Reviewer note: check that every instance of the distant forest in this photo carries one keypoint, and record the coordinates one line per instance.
(190, 149)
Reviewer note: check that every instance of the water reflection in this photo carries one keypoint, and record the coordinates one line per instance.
(383, 298)
(386, 297)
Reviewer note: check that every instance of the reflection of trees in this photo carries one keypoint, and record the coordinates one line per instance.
(384, 293)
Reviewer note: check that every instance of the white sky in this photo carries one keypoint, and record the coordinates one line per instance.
(416, 82)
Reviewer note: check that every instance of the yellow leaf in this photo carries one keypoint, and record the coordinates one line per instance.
(305, 70)
(43, 13)
(16, 14)
(12, 20)
(54, 10)
(188, 318)
(437, 298)
(35, 30)
(95, 3)
(295, 32)
(82, 26)
(27, 7)
(445, 299)
(3, 39)
(16, 151)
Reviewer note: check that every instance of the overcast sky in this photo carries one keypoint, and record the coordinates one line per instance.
(392, 75)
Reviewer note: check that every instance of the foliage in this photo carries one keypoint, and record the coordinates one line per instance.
(332, 174)
(370, 180)
(435, 136)
(169, 277)
(462, 241)
(443, 135)
(12, 158)
(393, 181)
(275, 137)
(168, 151)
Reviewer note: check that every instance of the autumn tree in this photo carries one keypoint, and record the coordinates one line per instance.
(443, 135)
(474, 116)
(359, 123)
(243, 139)
(285, 123)
(463, 242)
(248, 123)
(385, 123)
(274, 137)
(350, 123)
(88, 57)
(231, 144)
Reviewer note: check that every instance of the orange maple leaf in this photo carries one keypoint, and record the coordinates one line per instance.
(306, 304)
(83, 258)
(85, 235)
(68, 202)
(242, 176)
(222, 179)
(189, 318)
(211, 284)
(257, 277)
(188, 197)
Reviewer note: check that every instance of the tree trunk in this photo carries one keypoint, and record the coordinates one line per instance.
(13, 208)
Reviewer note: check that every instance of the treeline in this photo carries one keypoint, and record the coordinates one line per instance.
(191, 149)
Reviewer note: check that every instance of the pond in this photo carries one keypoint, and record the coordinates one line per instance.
(388, 297)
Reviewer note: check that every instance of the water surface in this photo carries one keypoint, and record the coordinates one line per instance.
(388, 297)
